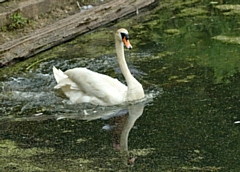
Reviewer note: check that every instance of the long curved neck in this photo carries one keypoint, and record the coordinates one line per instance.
(122, 62)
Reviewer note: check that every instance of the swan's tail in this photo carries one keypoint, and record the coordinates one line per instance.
(63, 80)
(58, 74)
(69, 88)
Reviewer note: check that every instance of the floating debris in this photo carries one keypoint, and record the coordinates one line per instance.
(187, 12)
(61, 117)
(38, 114)
(229, 9)
(172, 31)
(227, 39)
(213, 2)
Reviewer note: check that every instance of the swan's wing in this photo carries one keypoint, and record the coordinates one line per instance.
(98, 87)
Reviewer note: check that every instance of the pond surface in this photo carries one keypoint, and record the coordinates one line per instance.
(186, 55)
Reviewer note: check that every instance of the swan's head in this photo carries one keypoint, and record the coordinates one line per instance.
(122, 36)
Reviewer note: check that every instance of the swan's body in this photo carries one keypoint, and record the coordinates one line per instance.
(82, 85)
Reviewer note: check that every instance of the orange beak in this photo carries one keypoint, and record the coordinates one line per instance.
(127, 43)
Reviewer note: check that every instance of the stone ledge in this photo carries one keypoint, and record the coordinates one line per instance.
(68, 28)
(29, 8)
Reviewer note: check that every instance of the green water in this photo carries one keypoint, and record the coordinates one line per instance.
(183, 62)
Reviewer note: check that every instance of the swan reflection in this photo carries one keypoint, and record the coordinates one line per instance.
(120, 120)
(120, 133)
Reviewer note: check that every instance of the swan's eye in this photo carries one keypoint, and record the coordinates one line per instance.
(124, 35)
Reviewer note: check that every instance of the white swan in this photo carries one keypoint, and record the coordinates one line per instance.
(82, 85)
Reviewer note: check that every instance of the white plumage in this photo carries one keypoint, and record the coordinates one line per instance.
(82, 85)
